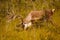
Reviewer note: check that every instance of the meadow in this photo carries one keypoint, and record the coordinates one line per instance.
(9, 31)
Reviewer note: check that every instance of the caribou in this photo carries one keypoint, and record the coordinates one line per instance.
(44, 14)
(35, 15)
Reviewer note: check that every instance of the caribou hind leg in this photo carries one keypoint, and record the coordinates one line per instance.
(54, 24)
(51, 21)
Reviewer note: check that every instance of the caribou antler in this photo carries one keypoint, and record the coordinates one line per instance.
(20, 17)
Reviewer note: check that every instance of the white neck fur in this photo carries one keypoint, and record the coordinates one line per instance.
(27, 25)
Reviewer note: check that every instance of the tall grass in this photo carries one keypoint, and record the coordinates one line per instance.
(9, 31)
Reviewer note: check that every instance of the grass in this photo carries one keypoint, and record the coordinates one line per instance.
(43, 33)
(9, 31)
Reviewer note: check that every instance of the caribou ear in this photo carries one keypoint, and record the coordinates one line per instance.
(53, 10)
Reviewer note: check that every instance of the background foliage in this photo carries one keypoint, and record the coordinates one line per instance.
(8, 31)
